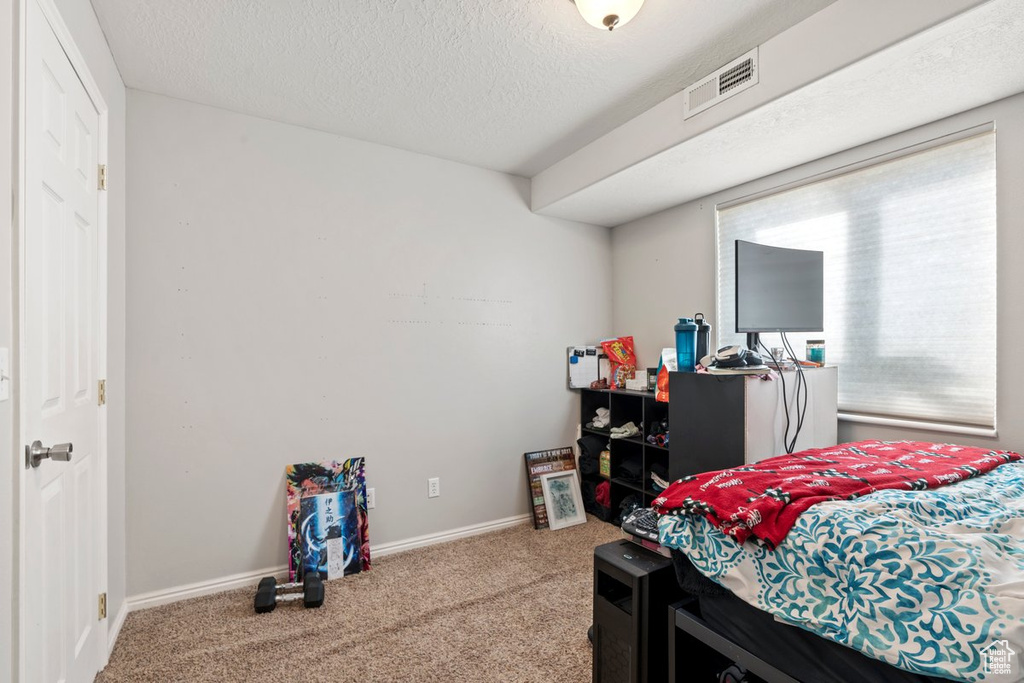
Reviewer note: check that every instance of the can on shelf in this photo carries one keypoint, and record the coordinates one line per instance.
(816, 351)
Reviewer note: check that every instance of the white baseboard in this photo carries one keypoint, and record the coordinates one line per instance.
(114, 629)
(200, 588)
(443, 537)
(247, 579)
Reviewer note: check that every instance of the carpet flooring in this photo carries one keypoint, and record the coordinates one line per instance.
(509, 606)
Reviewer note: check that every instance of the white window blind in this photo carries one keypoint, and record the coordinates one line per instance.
(910, 278)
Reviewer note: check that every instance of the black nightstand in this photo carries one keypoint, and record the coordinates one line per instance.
(632, 590)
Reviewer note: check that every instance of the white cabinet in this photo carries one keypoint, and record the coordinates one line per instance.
(765, 423)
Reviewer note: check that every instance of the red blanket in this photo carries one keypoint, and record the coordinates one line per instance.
(764, 500)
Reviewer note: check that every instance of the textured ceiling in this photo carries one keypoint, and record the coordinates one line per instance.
(513, 85)
(973, 59)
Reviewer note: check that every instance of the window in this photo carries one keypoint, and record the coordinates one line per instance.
(910, 278)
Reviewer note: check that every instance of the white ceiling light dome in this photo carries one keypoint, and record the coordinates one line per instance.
(608, 14)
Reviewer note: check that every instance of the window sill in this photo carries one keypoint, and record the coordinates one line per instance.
(918, 424)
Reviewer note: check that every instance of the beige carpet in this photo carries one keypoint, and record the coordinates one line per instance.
(509, 606)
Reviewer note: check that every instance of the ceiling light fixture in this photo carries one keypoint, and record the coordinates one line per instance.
(608, 14)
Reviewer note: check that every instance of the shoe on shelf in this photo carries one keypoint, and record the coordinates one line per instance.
(625, 431)
(657, 427)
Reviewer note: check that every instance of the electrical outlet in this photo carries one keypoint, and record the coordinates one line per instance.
(371, 499)
(433, 487)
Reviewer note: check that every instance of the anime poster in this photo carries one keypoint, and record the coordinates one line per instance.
(327, 523)
(329, 533)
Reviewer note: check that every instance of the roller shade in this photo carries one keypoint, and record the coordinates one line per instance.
(910, 278)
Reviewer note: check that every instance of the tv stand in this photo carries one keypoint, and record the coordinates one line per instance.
(753, 340)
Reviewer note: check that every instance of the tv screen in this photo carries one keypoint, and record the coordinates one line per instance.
(779, 289)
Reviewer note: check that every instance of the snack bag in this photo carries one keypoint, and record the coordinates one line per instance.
(622, 358)
(669, 363)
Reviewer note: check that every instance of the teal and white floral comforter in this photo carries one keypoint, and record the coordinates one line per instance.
(929, 581)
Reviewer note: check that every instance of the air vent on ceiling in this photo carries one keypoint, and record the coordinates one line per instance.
(734, 77)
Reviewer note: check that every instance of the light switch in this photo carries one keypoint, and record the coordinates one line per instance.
(5, 374)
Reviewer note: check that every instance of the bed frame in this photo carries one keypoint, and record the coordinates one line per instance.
(695, 648)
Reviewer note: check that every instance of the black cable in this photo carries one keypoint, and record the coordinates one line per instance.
(785, 404)
(798, 381)
(801, 384)
(803, 414)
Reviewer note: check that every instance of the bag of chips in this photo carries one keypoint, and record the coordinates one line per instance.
(669, 363)
(622, 359)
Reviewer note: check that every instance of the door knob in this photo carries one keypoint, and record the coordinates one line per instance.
(37, 452)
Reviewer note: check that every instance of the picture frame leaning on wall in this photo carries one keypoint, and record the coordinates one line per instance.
(562, 499)
(537, 464)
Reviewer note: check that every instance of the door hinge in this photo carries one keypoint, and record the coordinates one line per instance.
(102, 393)
(103, 606)
(103, 177)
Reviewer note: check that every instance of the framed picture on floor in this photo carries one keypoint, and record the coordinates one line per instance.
(537, 464)
(327, 524)
(562, 499)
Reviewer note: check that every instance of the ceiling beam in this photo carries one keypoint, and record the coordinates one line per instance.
(658, 160)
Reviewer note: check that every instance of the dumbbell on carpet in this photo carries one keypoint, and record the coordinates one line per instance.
(269, 593)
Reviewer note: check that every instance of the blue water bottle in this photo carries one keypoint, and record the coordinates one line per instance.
(686, 344)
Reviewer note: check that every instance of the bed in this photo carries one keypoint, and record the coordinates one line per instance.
(905, 585)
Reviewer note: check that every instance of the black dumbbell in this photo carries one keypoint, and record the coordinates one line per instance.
(313, 591)
(267, 595)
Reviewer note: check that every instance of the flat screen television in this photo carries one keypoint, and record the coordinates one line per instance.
(778, 290)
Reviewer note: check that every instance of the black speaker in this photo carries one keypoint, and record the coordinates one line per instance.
(632, 590)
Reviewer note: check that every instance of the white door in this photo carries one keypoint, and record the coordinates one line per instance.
(63, 637)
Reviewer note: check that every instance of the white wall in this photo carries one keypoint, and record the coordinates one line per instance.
(665, 264)
(79, 17)
(297, 296)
